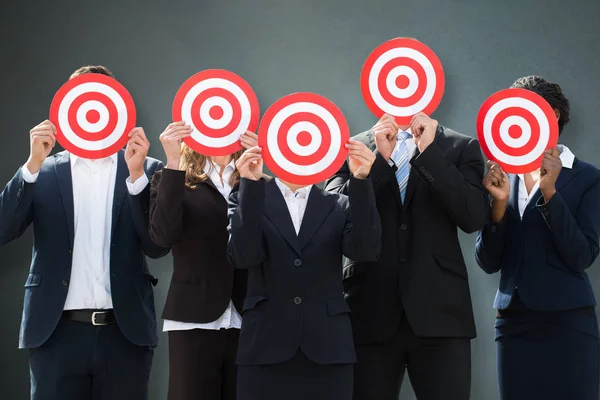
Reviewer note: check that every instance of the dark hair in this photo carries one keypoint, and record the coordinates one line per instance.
(92, 69)
(551, 92)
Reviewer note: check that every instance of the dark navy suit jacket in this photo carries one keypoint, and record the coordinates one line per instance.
(48, 204)
(295, 294)
(545, 254)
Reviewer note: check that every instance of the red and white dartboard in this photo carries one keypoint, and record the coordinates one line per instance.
(402, 77)
(220, 107)
(515, 127)
(303, 137)
(93, 114)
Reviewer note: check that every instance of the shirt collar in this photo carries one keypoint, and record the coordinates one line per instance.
(75, 158)
(566, 156)
(405, 134)
(210, 166)
(301, 193)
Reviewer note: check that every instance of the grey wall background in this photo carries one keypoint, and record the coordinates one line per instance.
(280, 47)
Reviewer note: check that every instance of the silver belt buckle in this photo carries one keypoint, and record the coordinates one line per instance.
(96, 313)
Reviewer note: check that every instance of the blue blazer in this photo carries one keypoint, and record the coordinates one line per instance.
(48, 204)
(545, 254)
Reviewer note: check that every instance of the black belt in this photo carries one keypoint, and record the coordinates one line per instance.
(98, 317)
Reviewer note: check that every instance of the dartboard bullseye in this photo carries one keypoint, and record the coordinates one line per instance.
(402, 77)
(515, 127)
(220, 107)
(303, 137)
(93, 114)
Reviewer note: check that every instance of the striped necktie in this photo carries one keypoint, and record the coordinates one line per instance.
(401, 159)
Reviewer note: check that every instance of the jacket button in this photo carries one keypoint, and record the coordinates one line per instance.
(297, 300)
(65, 283)
(494, 228)
(402, 260)
(403, 227)
(297, 263)
(70, 251)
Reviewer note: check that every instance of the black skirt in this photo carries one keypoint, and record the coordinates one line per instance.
(548, 355)
(295, 379)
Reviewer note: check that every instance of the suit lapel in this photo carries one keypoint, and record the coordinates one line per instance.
(120, 192)
(317, 209)
(513, 200)
(413, 182)
(413, 178)
(564, 177)
(277, 212)
(62, 167)
(392, 183)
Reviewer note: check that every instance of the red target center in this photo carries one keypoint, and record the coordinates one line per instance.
(92, 116)
(515, 131)
(304, 138)
(216, 112)
(402, 82)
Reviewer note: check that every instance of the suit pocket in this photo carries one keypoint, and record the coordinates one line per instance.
(252, 301)
(337, 306)
(458, 268)
(556, 261)
(33, 280)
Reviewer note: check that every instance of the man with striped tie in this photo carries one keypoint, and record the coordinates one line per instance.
(411, 309)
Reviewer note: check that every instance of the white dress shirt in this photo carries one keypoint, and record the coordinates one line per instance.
(411, 147)
(566, 157)
(231, 317)
(296, 202)
(93, 190)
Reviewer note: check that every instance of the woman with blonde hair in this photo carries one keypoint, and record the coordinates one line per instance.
(188, 213)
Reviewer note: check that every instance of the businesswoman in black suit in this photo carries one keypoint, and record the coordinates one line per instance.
(296, 340)
(542, 235)
(188, 212)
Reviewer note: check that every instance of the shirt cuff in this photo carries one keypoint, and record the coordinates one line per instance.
(138, 186)
(393, 158)
(28, 176)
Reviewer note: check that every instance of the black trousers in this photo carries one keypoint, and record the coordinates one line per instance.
(438, 368)
(296, 379)
(202, 364)
(85, 362)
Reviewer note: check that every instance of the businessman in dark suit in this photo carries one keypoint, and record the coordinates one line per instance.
(88, 317)
(411, 309)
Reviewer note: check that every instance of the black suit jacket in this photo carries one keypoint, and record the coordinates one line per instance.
(295, 294)
(193, 222)
(421, 272)
(545, 253)
(48, 205)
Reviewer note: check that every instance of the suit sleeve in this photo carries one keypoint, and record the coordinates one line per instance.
(166, 206)
(362, 232)
(246, 207)
(489, 248)
(381, 173)
(457, 187)
(575, 235)
(16, 208)
(140, 207)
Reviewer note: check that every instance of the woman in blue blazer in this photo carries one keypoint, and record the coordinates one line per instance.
(542, 235)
